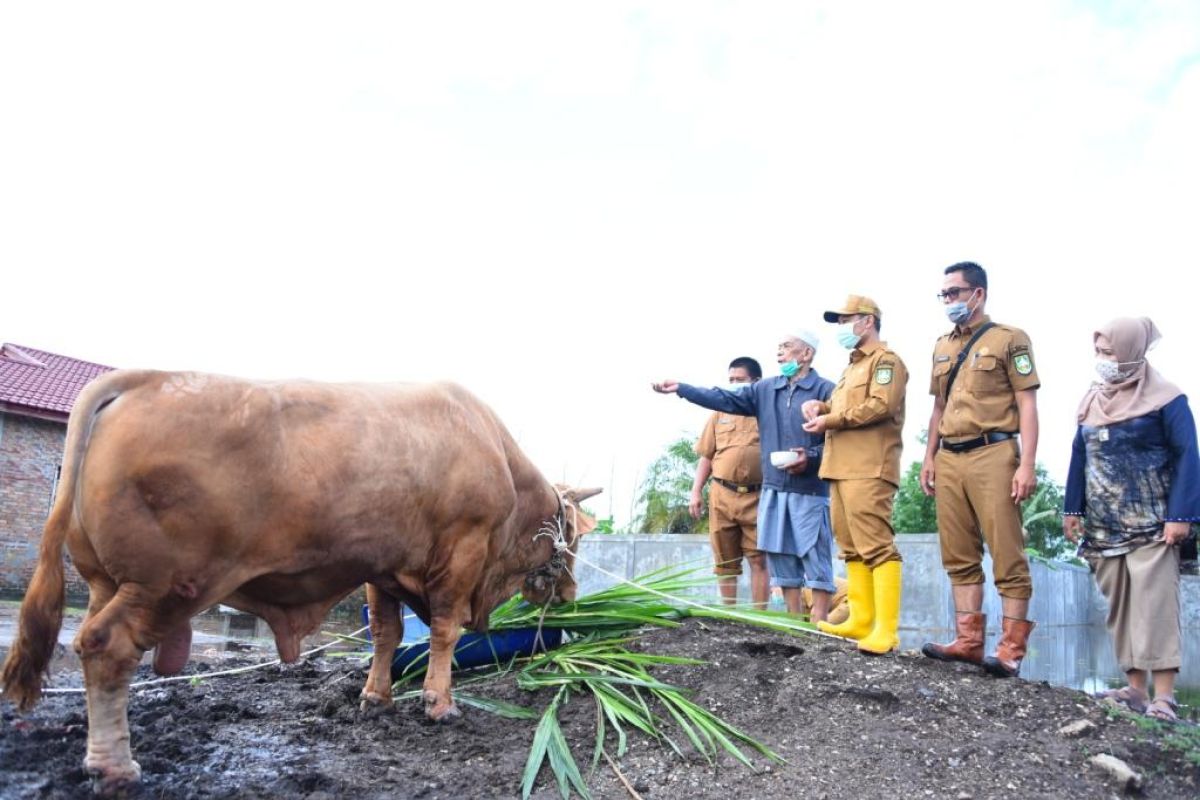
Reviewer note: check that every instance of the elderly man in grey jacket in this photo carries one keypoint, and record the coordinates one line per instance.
(793, 511)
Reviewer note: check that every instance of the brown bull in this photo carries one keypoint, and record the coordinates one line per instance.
(182, 490)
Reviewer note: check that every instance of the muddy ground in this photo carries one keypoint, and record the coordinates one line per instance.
(848, 725)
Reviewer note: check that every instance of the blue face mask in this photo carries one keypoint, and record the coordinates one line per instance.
(959, 312)
(789, 368)
(846, 336)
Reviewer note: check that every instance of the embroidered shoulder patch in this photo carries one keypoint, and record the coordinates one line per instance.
(1023, 363)
(883, 375)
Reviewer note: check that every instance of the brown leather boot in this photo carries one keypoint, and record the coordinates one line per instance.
(1011, 649)
(968, 640)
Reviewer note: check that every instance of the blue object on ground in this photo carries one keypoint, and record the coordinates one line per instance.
(480, 649)
(473, 650)
(414, 629)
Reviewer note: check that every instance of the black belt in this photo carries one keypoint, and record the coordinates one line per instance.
(970, 444)
(740, 488)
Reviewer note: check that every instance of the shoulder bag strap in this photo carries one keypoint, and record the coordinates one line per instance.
(962, 355)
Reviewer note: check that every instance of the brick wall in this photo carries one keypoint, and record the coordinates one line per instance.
(30, 453)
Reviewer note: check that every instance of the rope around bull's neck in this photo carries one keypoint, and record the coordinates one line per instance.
(557, 564)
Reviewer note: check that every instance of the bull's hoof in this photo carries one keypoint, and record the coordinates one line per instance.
(372, 704)
(113, 780)
(439, 710)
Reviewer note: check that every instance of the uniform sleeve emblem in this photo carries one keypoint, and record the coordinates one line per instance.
(1023, 363)
(883, 375)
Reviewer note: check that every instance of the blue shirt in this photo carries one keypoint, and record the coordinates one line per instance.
(776, 405)
(1130, 477)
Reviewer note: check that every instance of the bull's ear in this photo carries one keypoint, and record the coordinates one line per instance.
(584, 524)
(579, 495)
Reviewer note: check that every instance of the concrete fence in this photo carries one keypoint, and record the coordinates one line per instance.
(1064, 594)
(1070, 646)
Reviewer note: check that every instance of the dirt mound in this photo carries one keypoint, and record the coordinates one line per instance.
(847, 725)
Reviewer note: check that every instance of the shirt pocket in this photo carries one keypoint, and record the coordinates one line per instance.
(986, 375)
(730, 434)
(860, 388)
(941, 374)
(852, 389)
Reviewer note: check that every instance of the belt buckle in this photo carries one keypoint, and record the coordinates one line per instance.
(743, 490)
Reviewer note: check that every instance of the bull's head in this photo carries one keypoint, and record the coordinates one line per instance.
(556, 580)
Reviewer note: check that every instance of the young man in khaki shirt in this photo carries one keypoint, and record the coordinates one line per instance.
(976, 470)
(729, 453)
(862, 423)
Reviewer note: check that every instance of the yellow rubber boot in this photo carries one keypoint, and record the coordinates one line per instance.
(861, 598)
(883, 638)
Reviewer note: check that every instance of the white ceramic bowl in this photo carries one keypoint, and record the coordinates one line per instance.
(781, 459)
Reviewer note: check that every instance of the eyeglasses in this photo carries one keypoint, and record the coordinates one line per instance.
(953, 292)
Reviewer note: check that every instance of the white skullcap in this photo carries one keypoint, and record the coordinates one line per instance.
(806, 336)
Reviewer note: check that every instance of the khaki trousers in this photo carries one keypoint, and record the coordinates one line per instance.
(732, 527)
(974, 506)
(861, 512)
(1142, 589)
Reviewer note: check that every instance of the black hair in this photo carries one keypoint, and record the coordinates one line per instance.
(749, 364)
(973, 274)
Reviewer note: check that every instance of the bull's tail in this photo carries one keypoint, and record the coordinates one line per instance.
(42, 607)
(41, 620)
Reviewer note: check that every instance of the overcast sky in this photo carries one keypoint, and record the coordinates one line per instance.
(554, 204)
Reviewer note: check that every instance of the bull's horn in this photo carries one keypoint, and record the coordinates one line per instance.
(579, 495)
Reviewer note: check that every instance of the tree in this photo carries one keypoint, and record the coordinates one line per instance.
(665, 491)
(1041, 517)
(913, 512)
(603, 524)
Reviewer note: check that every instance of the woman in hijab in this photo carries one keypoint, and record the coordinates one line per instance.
(1133, 491)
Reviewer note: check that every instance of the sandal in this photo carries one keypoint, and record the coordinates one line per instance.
(1163, 708)
(1127, 697)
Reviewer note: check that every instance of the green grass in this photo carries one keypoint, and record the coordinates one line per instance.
(596, 662)
(1182, 737)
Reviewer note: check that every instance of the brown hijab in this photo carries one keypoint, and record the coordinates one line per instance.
(1138, 393)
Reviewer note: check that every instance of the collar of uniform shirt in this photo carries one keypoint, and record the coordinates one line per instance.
(965, 332)
(862, 351)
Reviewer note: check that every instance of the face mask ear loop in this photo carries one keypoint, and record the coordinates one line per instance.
(974, 289)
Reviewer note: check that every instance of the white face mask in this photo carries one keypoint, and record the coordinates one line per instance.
(1111, 372)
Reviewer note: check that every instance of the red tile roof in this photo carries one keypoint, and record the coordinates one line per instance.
(45, 382)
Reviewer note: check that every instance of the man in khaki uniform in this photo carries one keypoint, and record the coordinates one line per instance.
(729, 453)
(984, 386)
(862, 423)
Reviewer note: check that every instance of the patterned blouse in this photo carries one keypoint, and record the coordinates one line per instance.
(1128, 478)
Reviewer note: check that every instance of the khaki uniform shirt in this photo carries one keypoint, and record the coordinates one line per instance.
(984, 396)
(865, 416)
(731, 443)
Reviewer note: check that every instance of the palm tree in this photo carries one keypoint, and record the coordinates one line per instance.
(1041, 518)
(665, 491)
